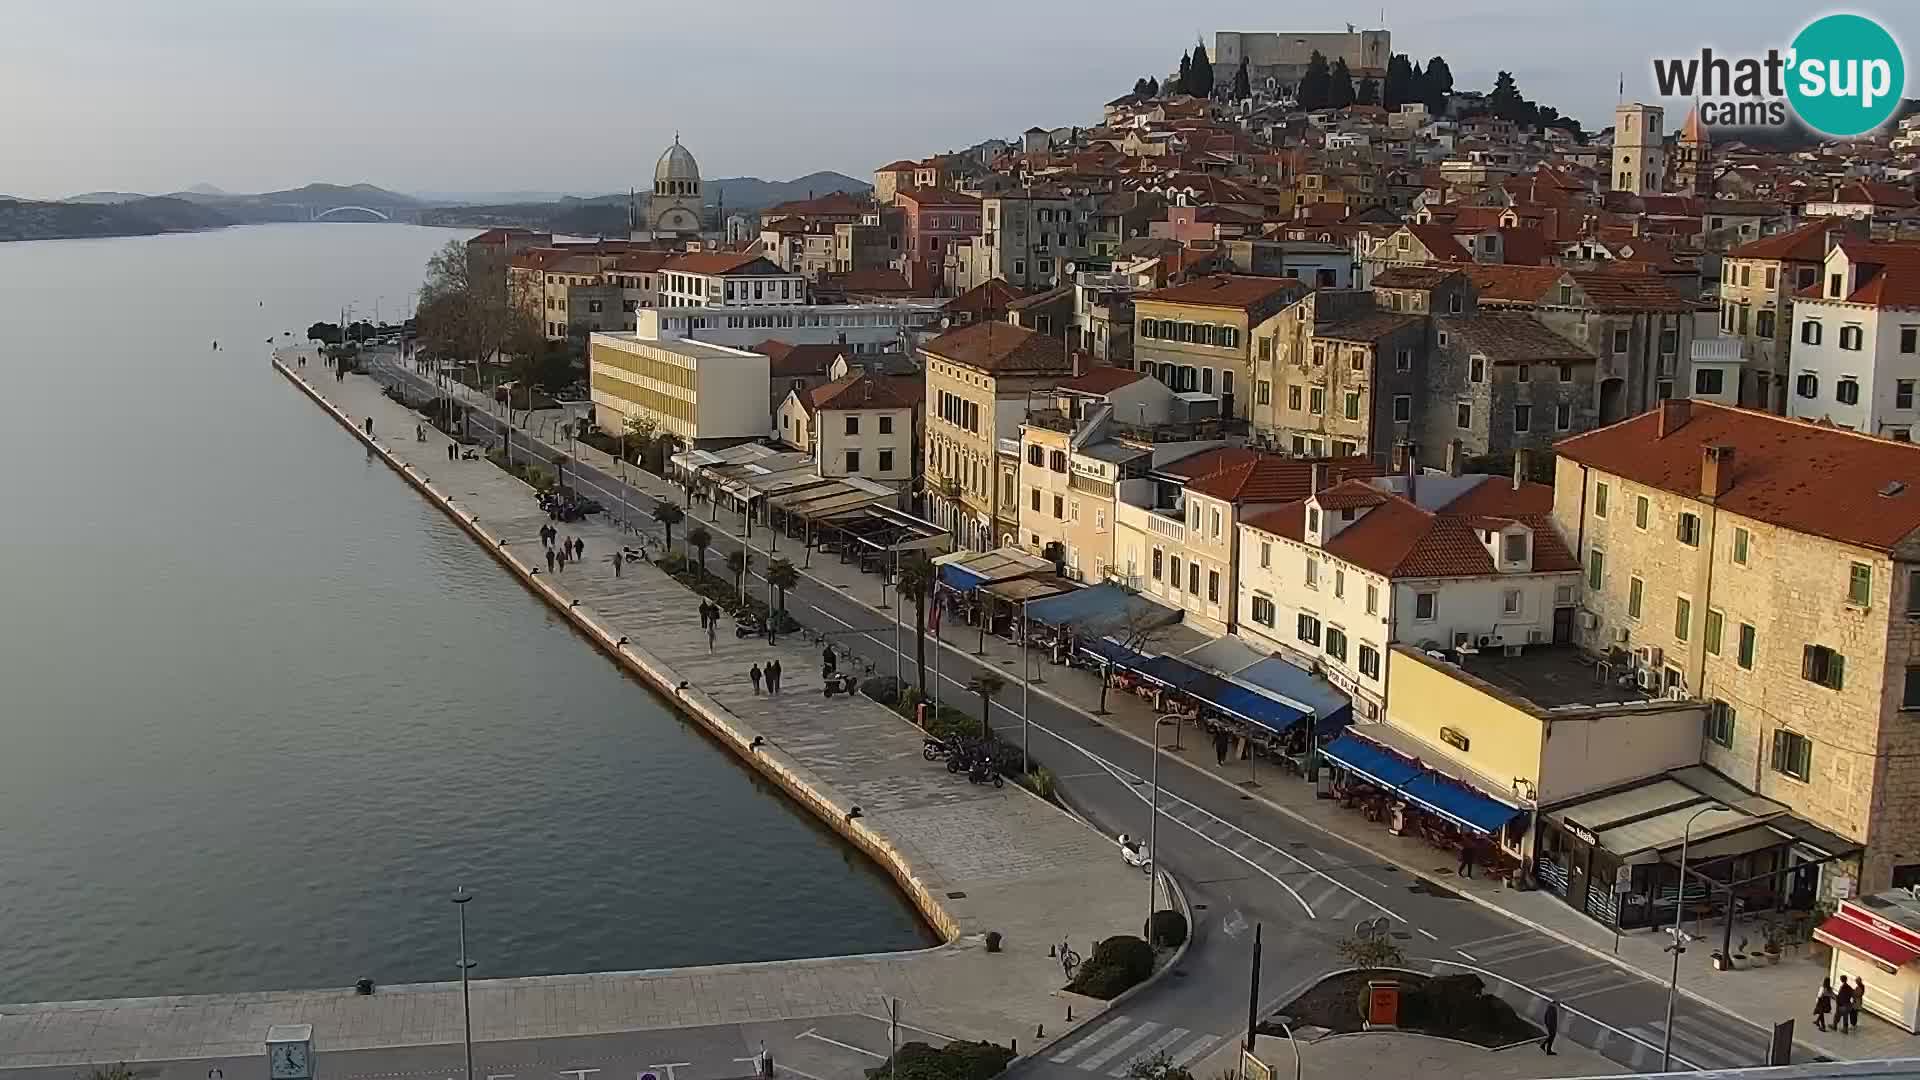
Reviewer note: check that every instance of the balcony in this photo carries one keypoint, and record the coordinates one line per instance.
(1163, 522)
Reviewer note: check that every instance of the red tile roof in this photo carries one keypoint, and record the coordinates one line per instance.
(863, 391)
(1208, 461)
(1397, 538)
(721, 262)
(931, 196)
(1103, 379)
(1001, 348)
(789, 361)
(1622, 290)
(1811, 478)
(1226, 290)
(1515, 284)
(1808, 243)
(1272, 478)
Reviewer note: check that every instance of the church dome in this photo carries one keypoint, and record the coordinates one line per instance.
(676, 164)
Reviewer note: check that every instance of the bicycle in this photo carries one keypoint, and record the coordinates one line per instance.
(1069, 960)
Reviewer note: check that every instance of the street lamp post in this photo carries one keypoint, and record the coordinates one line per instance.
(1026, 689)
(1679, 908)
(1153, 831)
(460, 898)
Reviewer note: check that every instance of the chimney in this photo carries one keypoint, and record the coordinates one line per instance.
(1319, 477)
(1674, 413)
(1454, 454)
(1522, 466)
(1716, 471)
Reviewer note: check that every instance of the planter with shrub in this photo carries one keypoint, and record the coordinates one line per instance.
(1117, 964)
(954, 1061)
(1167, 929)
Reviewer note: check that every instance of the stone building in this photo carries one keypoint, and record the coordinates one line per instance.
(1771, 568)
(1339, 374)
(1283, 57)
(1758, 281)
(675, 208)
(1639, 149)
(1197, 336)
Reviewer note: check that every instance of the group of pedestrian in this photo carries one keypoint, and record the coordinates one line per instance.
(561, 550)
(771, 675)
(1843, 1003)
(710, 622)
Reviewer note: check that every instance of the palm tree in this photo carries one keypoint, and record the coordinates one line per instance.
(699, 539)
(987, 686)
(782, 576)
(669, 514)
(913, 581)
(738, 563)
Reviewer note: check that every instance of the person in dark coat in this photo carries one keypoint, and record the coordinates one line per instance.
(773, 677)
(754, 674)
(1842, 1004)
(1466, 858)
(1552, 1023)
(1823, 1004)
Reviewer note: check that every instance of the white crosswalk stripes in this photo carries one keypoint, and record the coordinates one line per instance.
(1158, 1045)
(1106, 1053)
(1506, 948)
(1117, 1043)
(1707, 1045)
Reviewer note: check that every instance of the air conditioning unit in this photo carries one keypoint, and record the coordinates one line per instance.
(1489, 641)
(1620, 635)
(1536, 637)
(1646, 680)
(1676, 693)
(1649, 656)
(1588, 620)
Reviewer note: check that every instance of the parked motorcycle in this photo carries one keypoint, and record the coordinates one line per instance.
(939, 749)
(981, 771)
(1136, 853)
(747, 626)
(840, 684)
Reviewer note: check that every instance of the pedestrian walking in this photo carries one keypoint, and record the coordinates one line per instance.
(828, 663)
(754, 674)
(549, 560)
(773, 677)
(562, 558)
(713, 628)
(1552, 1023)
(1220, 745)
(703, 615)
(369, 425)
(617, 560)
(450, 450)
(1823, 1004)
(1842, 1004)
(1466, 859)
(579, 547)
(1859, 996)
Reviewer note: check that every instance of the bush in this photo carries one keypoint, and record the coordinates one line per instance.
(1371, 952)
(954, 1061)
(884, 689)
(1167, 928)
(1041, 783)
(1117, 963)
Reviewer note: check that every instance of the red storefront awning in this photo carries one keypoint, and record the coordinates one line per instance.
(1842, 932)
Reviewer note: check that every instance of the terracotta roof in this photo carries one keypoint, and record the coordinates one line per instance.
(1612, 290)
(1811, 478)
(1365, 326)
(1208, 461)
(1808, 243)
(1001, 348)
(642, 261)
(721, 262)
(1272, 478)
(932, 196)
(903, 165)
(1871, 192)
(788, 361)
(1225, 290)
(1511, 337)
(1103, 379)
(991, 295)
(1440, 243)
(1350, 494)
(1397, 538)
(1518, 284)
(870, 392)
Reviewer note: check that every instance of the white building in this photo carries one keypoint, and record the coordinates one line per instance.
(860, 425)
(1434, 561)
(1856, 344)
(705, 394)
(728, 279)
(861, 328)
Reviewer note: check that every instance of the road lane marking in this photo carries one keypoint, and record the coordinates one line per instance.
(1197, 1049)
(910, 1027)
(1106, 1053)
(1147, 1052)
(812, 1034)
(1428, 934)
(1089, 1039)
(1467, 954)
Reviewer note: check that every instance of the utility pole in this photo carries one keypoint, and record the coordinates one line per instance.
(460, 899)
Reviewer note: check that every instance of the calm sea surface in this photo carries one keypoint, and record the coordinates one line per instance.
(262, 709)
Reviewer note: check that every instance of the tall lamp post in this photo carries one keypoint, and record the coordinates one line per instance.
(1679, 908)
(1153, 829)
(460, 898)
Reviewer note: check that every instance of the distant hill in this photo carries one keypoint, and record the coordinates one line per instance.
(22, 220)
(297, 204)
(746, 193)
(205, 189)
(106, 198)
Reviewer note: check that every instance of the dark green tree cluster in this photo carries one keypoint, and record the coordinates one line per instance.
(1507, 103)
(1408, 83)
(1148, 87)
(1196, 74)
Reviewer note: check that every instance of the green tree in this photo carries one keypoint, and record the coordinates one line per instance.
(1315, 85)
(1399, 86)
(1339, 84)
(1137, 627)
(1158, 1067)
(699, 538)
(640, 429)
(913, 582)
(325, 333)
(1437, 85)
(1242, 82)
(1368, 92)
(669, 514)
(782, 576)
(1505, 102)
(1185, 82)
(988, 686)
(1153, 87)
(738, 563)
(464, 315)
(1139, 88)
(1417, 87)
(1202, 72)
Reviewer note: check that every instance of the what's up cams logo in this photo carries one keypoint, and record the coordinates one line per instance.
(1842, 76)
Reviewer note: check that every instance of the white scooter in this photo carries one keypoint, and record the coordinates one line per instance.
(1136, 853)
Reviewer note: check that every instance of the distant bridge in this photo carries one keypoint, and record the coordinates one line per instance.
(322, 215)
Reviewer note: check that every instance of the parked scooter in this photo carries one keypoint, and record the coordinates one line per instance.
(939, 749)
(1136, 853)
(840, 684)
(981, 771)
(747, 626)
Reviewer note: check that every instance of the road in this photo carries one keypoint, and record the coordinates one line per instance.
(1244, 863)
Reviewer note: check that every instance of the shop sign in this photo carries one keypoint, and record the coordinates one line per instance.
(1455, 738)
(1580, 832)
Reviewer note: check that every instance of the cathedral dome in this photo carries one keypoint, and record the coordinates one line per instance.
(676, 164)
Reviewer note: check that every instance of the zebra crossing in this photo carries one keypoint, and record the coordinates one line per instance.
(1706, 1042)
(1112, 1046)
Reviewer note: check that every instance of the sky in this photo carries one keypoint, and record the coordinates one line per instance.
(582, 95)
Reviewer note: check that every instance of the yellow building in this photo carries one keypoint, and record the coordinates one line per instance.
(978, 381)
(706, 395)
(1196, 337)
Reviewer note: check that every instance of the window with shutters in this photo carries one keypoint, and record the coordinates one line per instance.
(1193, 577)
(1596, 568)
(1859, 584)
(1426, 606)
(1308, 629)
(1337, 643)
(1720, 723)
(1819, 664)
(1711, 631)
(1792, 754)
(1369, 661)
(1687, 529)
(1636, 592)
(1263, 611)
(1682, 619)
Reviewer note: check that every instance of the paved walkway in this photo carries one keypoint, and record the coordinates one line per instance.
(1762, 995)
(981, 859)
(1392, 1053)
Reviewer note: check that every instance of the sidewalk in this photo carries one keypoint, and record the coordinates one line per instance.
(1762, 996)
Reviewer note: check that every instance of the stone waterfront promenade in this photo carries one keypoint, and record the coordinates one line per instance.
(972, 858)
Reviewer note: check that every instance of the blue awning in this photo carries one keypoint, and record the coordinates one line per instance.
(1418, 784)
(1098, 609)
(1230, 699)
(1332, 708)
(1112, 652)
(1169, 672)
(956, 577)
